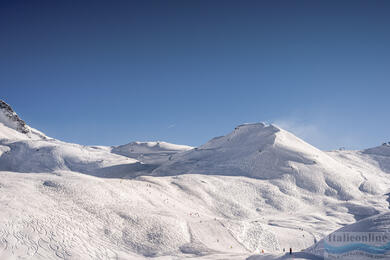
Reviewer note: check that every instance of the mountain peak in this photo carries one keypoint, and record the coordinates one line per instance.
(13, 127)
(258, 126)
(247, 150)
(248, 135)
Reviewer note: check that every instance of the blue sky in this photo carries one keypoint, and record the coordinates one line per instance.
(111, 72)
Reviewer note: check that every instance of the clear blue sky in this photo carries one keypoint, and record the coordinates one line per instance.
(111, 72)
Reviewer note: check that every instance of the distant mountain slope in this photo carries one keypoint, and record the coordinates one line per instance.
(372, 164)
(54, 155)
(150, 152)
(25, 149)
(381, 154)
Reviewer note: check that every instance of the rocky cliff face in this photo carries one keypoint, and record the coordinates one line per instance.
(12, 127)
(9, 118)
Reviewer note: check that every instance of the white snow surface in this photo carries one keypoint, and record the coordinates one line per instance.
(257, 188)
(150, 152)
(377, 224)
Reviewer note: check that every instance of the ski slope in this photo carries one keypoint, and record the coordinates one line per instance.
(258, 188)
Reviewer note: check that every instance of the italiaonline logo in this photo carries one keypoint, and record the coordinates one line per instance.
(357, 245)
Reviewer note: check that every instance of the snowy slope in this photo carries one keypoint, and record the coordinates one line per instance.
(374, 159)
(150, 152)
(54, 155)
(257, 188)
(381, 154)
(377, 224)
(372, 164)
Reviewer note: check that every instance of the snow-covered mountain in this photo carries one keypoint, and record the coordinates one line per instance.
(268, 152)
(12, 127)
(257, 188)
(25, 149)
